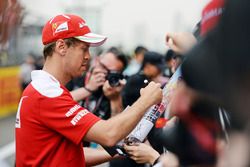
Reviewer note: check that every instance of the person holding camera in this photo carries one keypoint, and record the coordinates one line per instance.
(107, 98)
(103, 83)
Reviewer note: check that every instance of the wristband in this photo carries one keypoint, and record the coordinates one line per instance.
(88, 90)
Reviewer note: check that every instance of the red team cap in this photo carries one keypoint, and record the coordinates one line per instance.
(211, 15)
(67, 26)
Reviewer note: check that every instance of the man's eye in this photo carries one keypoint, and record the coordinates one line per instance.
(84, 49)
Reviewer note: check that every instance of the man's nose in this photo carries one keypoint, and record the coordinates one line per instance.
(87, 55)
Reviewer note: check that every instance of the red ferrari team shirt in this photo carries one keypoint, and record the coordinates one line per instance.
(50, 125)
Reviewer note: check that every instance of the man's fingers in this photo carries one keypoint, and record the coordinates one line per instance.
(100, 77)
(130, 148)
(123, 81)
(169, 36)
(172, 46)
(99, 70)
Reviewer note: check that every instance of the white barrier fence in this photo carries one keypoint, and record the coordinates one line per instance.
(5, 152)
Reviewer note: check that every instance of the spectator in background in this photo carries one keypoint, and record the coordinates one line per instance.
(173, 61)
(218, 68)
(152, 67)
(108, 67)
(25, 70)
(113, 95)
(113, 62)
(168, 57)
(136, 62)
(39, 62)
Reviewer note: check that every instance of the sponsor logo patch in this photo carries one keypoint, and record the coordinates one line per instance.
(18, 118)
(59, 28)
(72, 110)
(79, 116)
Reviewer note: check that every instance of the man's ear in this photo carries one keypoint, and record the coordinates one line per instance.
(61, 47)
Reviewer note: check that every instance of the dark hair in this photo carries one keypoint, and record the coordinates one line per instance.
(119, 55)
(169, 55)
(140, 49)
(197, 30)
(49, 48)
(153, 58)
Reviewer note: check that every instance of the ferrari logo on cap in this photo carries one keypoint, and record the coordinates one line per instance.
(54, 25)
(61, 27)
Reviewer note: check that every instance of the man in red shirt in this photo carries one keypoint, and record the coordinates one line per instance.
(50, 125)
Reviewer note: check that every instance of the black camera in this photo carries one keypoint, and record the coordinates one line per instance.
(113, 77)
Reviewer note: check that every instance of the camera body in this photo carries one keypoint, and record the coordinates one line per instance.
(114, 78)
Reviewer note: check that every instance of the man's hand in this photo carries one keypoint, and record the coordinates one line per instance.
(152, 93)
(110, 132)
(97, 79)
(181, 42)
(142, 153)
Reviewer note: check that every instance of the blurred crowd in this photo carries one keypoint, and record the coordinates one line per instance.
(11, 15)
(208, 124)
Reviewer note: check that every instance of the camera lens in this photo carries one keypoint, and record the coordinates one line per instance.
(113, 77)
(113, 81)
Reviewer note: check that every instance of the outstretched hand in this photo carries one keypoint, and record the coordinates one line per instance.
(142, 153)
(181, 42)
(152, 93)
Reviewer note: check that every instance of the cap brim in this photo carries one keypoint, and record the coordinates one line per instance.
(93, 39)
